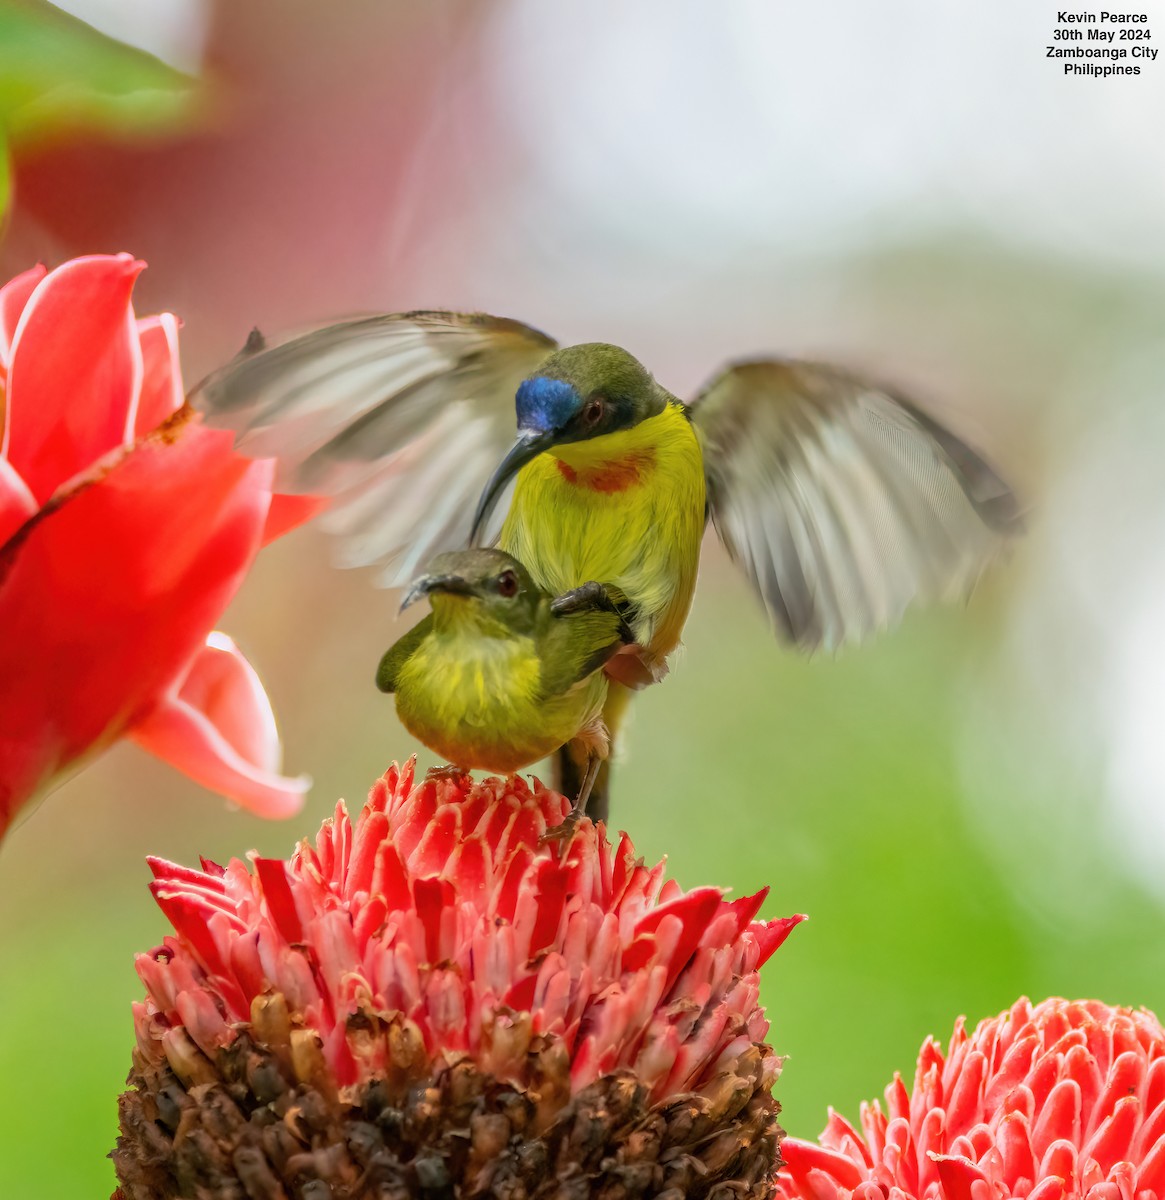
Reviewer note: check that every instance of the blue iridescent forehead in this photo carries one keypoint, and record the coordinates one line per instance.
(545, 404)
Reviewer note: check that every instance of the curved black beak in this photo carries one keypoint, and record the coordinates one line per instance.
(529, 445)
(426, 584)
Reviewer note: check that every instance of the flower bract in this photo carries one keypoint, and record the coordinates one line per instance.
(559, 1014)
(125, 529)
(1063, 1100)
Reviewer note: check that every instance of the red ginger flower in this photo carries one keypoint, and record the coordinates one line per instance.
(125, 529)
(560, 1018)
(1063, 1101)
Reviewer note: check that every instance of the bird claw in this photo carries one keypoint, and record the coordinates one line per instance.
(448, 772)
(563, 831)
(584, 598)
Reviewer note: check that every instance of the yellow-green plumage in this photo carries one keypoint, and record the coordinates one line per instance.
(627, 507)
(842, 501)
(629, 511)
(497, 682)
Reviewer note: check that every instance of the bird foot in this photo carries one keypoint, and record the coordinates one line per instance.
(449, 772)
(563, 831)
(585, 598)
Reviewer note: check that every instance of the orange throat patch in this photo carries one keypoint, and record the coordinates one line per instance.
(615, 476)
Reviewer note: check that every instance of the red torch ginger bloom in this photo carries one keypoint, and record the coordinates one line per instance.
(125, 529)
(430, 997)
(1063, 1101)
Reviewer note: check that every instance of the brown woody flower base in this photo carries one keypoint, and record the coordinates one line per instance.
(260, 1124)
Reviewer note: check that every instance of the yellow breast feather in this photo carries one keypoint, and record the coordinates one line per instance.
(481, 701)
(625, 509)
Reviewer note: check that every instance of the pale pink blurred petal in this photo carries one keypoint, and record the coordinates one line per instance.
(218, 728)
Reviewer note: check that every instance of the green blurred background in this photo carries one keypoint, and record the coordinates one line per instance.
(970, 808)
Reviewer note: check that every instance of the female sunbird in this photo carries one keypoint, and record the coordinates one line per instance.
(500, 673)
(842, 501)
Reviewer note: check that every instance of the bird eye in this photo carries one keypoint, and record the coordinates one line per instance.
(507, 584)
(592, 414)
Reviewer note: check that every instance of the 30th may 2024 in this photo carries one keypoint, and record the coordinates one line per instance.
(1114, 43)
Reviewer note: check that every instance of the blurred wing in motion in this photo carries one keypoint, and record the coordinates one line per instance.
(843, 503)
(400, 418)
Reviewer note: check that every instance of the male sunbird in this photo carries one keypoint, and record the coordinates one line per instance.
(842, 501)
(500, 673)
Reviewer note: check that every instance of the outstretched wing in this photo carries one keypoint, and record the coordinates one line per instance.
(842, 502)
(399, 653)
(401, 418)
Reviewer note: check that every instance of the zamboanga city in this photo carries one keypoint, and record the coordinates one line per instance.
(1113, 52)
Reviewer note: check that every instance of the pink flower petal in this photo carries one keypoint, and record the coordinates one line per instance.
(966, 1096)
(1111, 1142)
(381, 911)
(13, 297)
(802, 1157)
(272, 874)
(223, 686)
(693, 911)
(365, 852)
(138, 564)
(1151, 1132)
(161, 391)
(289, 512)
(957, 1176)
(218, 728)
(1042, 1101)
(437, 843)
(75, 373)
(1015, 1146)
(17, 503)
(1049, 1189)
(1152, 1173)
(771, 935)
